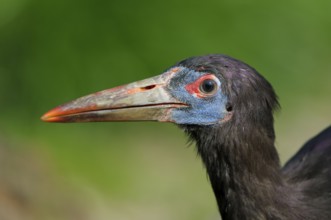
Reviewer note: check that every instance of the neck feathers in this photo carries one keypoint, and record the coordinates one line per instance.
(243, 167)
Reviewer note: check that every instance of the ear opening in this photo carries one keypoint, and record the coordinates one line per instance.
(229, 107)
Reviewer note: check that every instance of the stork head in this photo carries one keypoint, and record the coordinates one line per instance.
(204, 90)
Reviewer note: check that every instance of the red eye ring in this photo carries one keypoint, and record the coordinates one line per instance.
(205, 86)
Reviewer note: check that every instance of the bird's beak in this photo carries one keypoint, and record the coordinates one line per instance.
(146, 100)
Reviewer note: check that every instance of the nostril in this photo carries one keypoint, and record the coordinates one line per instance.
(148, 87)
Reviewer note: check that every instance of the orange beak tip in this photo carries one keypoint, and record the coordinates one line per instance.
(51, 116)
(51, 119)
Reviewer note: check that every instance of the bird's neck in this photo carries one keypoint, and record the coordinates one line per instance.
(244, 170)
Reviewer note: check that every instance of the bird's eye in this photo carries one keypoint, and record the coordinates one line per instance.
(208, 86)
(204, 87)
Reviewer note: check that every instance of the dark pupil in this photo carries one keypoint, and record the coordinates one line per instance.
(208, 86)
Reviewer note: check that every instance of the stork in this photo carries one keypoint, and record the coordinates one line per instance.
(226, 107)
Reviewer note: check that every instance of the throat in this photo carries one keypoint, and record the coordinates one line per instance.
(244, 171)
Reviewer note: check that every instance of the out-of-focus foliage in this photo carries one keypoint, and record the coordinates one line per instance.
(51, 51)
(54, 51)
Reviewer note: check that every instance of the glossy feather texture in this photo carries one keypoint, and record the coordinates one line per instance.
(240, 157)
(226, 107)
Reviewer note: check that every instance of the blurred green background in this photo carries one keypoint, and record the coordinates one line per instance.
(55, 51)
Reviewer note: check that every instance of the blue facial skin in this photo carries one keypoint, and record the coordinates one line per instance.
(201, 111)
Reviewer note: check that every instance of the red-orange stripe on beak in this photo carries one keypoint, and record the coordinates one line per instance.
(143, 100)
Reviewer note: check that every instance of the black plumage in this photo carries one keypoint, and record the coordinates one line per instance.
(238, 148)
(242, 162)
